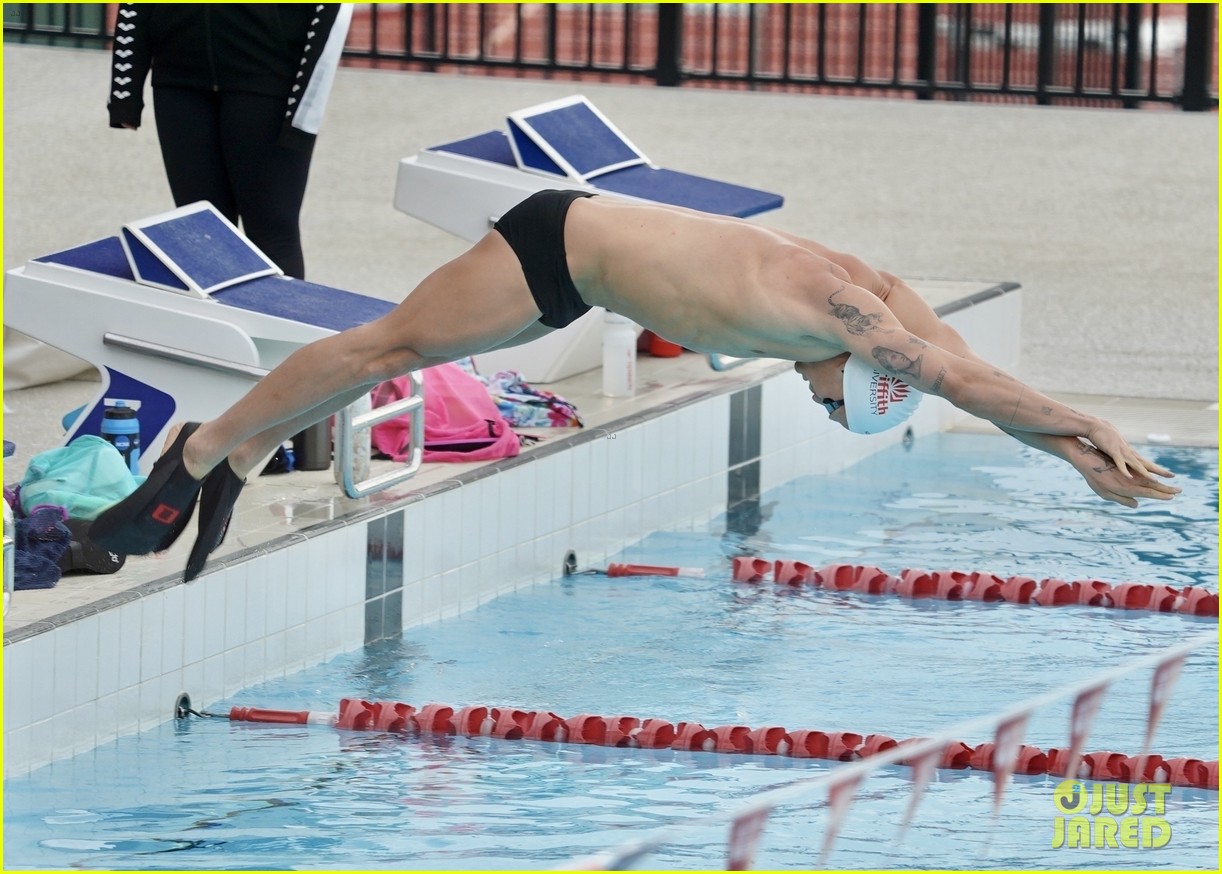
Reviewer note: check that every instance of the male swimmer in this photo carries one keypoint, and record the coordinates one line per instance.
(709, 283)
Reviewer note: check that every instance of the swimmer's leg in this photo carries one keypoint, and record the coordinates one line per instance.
(478, 301)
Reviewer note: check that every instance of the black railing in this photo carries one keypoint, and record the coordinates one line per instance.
(1086, 54)
(64, 24)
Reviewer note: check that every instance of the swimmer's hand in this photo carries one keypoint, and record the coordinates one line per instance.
(1108, 441)
(1109, 483)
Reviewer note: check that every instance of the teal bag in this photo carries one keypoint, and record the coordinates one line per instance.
(84, 477)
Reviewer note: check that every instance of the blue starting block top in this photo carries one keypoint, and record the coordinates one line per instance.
(570, 140)
(648, 183)
(193, 249)
(570, 137)
(283, 297)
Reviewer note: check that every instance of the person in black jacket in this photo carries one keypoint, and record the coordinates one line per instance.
(238, 94)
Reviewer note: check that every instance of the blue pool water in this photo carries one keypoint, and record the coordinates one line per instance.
(208, 794)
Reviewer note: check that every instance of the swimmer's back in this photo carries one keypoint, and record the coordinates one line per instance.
(705, 276)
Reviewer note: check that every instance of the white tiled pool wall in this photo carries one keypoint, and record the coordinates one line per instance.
(92, 676)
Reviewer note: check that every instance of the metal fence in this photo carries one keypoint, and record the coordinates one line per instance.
(1084, 54)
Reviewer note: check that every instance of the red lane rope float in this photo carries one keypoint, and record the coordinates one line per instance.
(979, 586)
(629, 731)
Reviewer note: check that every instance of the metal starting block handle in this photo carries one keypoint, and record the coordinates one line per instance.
(348, 423)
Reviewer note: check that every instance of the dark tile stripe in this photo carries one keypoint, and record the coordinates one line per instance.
(384, 577)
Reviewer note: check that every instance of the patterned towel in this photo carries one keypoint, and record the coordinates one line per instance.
(523, 405)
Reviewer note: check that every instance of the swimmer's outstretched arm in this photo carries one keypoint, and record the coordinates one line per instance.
(860, 323)
(1100, 473)
(914, 314)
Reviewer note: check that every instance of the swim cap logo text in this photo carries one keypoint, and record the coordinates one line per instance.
(1114, 815)
(886, 390)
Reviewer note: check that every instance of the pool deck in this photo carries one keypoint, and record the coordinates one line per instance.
(1125, 203)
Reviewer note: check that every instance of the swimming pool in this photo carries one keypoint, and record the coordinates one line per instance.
(212, 794)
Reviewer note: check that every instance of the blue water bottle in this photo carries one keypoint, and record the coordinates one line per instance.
(121, 429)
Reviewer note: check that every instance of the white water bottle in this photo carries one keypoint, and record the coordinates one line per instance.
(619, 356)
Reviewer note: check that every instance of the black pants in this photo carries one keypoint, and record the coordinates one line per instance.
(222, 147)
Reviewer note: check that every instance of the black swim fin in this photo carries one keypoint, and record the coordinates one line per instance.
(219, 494)
(152, 517)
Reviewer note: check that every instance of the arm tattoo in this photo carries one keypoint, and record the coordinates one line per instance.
(897, 362)
(937, 383)
(1103, 463)
(855, 321)
(1017, 404)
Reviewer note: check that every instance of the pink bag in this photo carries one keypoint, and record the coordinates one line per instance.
(461, 421)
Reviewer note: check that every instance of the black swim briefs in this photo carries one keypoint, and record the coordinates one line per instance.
(534, 229)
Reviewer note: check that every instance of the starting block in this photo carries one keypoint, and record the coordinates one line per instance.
(464, 186)
(181, 315)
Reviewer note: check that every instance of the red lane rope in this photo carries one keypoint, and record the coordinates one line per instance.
(629, 731)
(980, 586)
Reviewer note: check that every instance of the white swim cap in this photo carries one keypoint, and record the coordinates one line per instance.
(875, 401)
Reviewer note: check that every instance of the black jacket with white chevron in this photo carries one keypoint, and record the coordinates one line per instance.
(285, 50)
